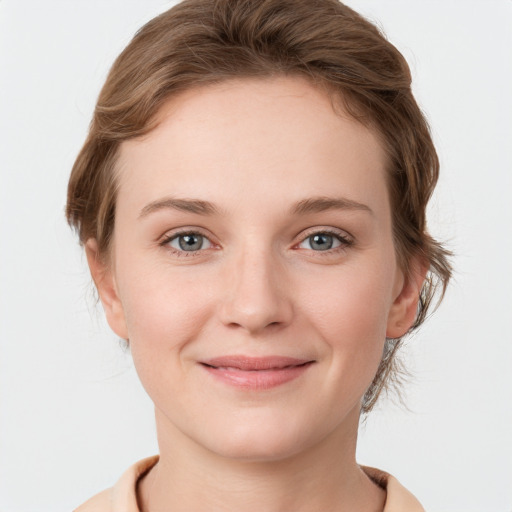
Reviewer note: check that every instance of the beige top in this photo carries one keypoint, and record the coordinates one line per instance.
(122, 497)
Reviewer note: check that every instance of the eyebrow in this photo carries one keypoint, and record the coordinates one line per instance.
(321, 204)
(196, 206)
(305, 206)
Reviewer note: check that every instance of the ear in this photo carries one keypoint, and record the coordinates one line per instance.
(406, 297)
(103, 277)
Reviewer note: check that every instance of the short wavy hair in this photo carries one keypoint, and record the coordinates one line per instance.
(200, 42)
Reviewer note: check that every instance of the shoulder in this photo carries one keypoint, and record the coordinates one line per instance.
(123, 496)
(101, 502)
(398, 499)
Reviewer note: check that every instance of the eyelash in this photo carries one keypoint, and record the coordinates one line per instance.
(345, 242)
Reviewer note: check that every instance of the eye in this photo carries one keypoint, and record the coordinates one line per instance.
(324, 241)
(188, 242)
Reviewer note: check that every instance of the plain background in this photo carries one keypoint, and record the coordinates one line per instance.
(72, 413)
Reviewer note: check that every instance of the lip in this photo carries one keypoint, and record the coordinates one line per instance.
(256, 373)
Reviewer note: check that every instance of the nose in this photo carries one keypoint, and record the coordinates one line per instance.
(256, 295)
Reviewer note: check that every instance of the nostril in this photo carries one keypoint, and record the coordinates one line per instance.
(255, 308)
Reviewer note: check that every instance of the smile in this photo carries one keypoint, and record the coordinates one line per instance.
(256, 373)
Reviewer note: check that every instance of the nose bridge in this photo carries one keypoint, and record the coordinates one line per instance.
(256, 296)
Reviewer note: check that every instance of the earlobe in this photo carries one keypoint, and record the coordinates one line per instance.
(405, 305)
(104, 281)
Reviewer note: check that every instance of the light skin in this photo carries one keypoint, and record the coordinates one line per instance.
(296, 259)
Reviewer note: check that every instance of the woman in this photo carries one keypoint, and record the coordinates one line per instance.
(251, 198)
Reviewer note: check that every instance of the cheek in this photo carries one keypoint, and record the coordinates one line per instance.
(164, 311)
(350, 314)
(353, 300)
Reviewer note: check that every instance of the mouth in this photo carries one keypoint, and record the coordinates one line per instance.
(256, 373)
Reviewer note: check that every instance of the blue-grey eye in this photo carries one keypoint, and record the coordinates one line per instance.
(321, 242)
(190, 242)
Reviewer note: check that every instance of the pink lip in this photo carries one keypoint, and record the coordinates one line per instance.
(256, 373)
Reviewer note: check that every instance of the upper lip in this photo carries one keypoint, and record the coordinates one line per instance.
(248, 363)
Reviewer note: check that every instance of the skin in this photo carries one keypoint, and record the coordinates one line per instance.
(258, 287)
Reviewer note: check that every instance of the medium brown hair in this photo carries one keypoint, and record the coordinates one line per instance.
(201, 42)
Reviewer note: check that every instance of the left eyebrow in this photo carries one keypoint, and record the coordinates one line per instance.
(185, 205)
(321, 204)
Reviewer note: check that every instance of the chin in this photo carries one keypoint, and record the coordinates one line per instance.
(262, 441)
(257, 449)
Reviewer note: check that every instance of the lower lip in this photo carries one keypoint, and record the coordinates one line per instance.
(257, 379)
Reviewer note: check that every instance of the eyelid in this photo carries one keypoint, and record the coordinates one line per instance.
(340, 233)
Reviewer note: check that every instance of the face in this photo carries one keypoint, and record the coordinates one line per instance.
(253, 267)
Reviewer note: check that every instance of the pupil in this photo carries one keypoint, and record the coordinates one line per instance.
(321, 242)
(191, 242)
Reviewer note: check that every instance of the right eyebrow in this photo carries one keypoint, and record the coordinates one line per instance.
(185, 205)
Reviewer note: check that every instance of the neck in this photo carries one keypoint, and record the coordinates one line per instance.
(323, 477)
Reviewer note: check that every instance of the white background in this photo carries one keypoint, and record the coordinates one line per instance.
(72, 413)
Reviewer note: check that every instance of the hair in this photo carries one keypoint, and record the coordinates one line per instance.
(203, 42)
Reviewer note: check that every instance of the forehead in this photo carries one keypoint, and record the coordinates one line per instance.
(274, 138)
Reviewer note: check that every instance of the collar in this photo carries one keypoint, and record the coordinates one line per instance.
(123, 496)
